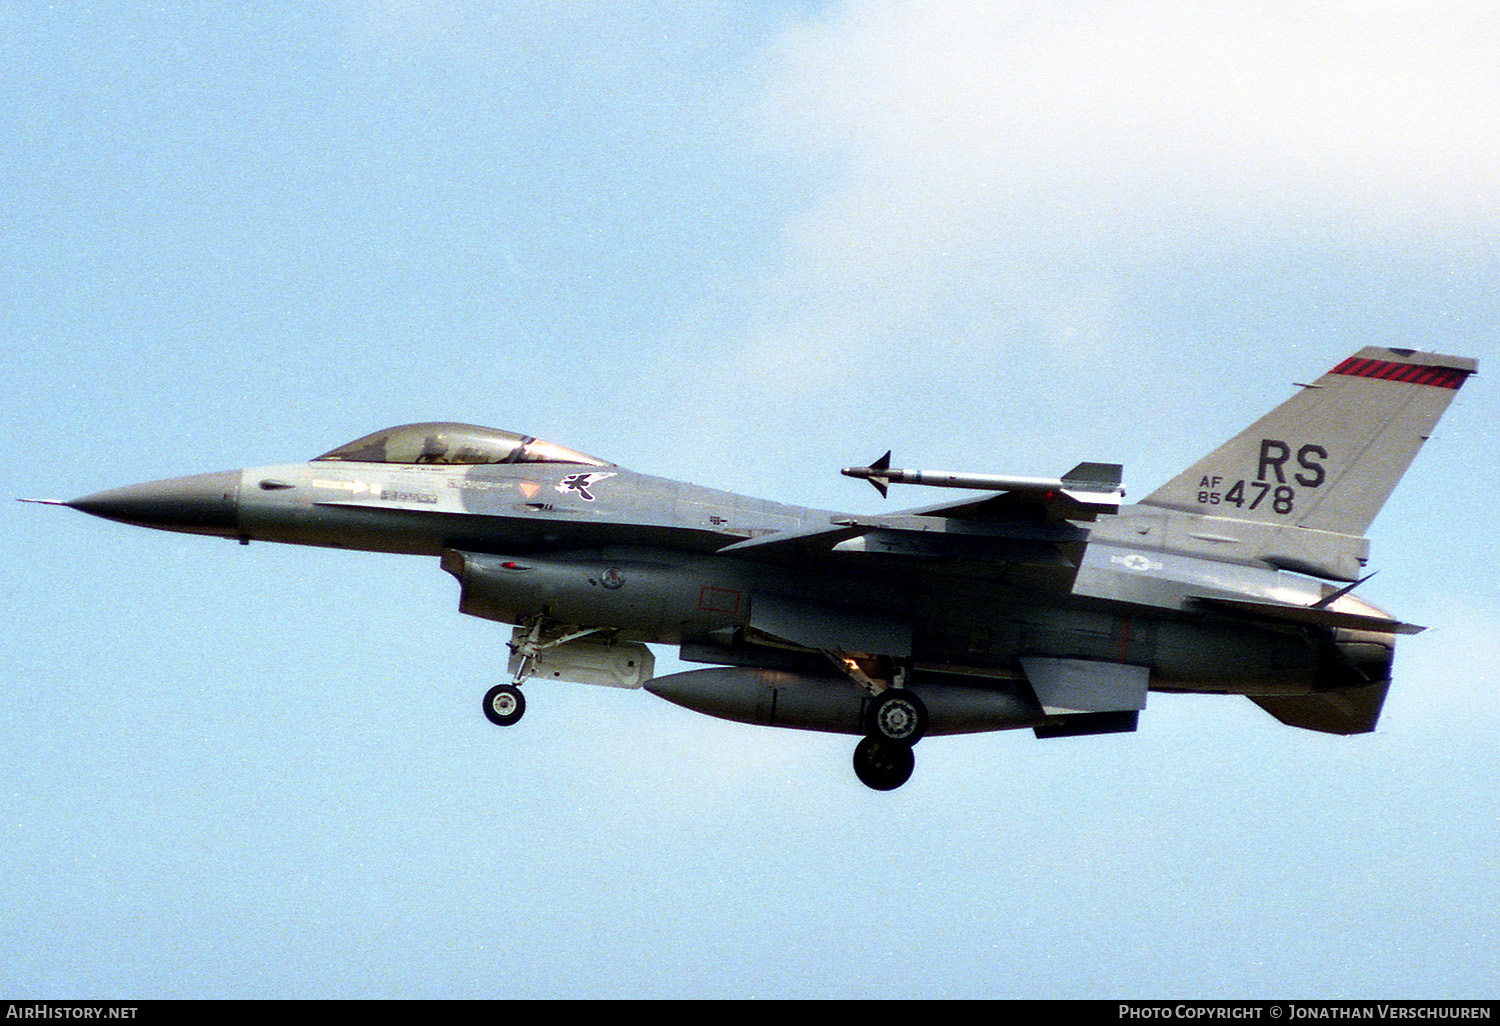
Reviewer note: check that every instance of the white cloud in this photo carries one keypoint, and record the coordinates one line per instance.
(982, 106)
(1000, 172)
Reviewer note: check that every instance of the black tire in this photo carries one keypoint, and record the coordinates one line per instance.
(882, 765)
(897, 715)
(504, 705)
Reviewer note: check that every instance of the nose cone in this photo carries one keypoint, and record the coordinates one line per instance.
(201, 504)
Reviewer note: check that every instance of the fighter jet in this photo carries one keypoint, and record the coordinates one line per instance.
(1041, 603)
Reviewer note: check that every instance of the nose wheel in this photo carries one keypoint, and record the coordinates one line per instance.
(504, 705)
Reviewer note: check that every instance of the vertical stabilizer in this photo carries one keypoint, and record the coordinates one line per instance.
(1327, 458)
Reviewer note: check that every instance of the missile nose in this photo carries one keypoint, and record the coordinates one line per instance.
(200, 504)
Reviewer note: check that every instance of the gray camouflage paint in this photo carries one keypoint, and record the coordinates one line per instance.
(1050, 605)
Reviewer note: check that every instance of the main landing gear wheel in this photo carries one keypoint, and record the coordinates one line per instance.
(897, 715)
(883, 765)
(504, 704)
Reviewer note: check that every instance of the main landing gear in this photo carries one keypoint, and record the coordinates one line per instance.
(883, 765)
(895, 721)
(897, 715)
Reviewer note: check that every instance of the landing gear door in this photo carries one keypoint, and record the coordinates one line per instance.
(616, 664)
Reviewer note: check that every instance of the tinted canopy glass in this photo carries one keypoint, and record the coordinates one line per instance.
(441, 442)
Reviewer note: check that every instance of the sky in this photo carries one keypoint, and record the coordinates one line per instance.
(744, 245)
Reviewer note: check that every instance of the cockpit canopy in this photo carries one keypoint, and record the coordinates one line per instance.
(443, 442)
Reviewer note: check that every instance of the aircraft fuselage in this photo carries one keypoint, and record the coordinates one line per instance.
(1037, 602)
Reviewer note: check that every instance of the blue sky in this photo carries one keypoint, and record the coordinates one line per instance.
(742, 245)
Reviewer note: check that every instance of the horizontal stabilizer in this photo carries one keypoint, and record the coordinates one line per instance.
(1346, 711)
(1311, 615)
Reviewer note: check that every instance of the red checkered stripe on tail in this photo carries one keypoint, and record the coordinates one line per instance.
(1411, 373)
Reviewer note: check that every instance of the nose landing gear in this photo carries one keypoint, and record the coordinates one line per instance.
(504, 705)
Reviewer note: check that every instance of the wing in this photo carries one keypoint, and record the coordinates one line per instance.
(1033, 521)
(990, 534)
